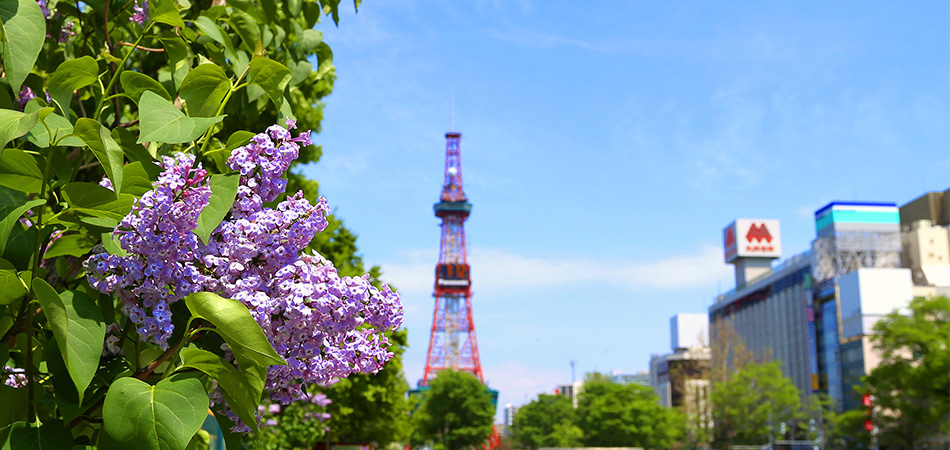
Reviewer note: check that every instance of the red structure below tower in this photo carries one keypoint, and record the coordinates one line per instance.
(452, 343)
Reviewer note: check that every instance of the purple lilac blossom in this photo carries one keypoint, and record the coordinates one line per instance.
(158, 235)
(106, 183)
(141, 13)
(66, 32)
(113, 338)
(44, 7)
(325, 326)
(263, 162)
(26, 94)
(16, 377)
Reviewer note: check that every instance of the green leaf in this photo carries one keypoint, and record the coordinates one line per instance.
(271, 76)
(97, 201)
(112, 245)
(7, 223)
(237, 139)
(324, 59)
(213, 31)
(235, 324)
(301, 71)
(105, 148)
(19, 170)
(164, 11)
(10, 199)
(14, 124)
(331, 7)
(179, 58)
(11, 288)
(204, 89)
(20, 247)
(23, 29)
(136, 179)
(52, 435)
(78, 327)
(309, 41)
(71, 245)
(232, 440)
(56, 123)
(246, 27)
(72, 74)
(159, 417)
(200, 441)
(161, 122)
(236, 391)
(135, 151)
(12, 404)
(134, 84)
(223, 191)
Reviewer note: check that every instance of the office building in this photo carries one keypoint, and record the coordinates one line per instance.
(768, 307)
(681, 378)
(815, 312)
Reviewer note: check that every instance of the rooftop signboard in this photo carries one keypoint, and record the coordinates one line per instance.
(752, 238)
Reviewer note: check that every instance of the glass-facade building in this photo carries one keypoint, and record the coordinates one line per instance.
(799, 313)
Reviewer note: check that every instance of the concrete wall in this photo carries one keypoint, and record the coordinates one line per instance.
(869, 294)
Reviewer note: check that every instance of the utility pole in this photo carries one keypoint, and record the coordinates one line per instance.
(771, 439)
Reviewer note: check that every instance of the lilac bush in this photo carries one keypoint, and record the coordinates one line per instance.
(325, 326)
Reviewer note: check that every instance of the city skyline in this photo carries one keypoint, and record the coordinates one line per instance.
(604, 150)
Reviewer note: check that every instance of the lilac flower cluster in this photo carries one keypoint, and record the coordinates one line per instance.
(66, 32)
(44, 7)
(16, 377)
(319, 399)
(263, 162)
(157, 234)
(140, 16)
(325, 326)
(26, 94)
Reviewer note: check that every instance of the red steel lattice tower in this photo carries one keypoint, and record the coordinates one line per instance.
(452, 343)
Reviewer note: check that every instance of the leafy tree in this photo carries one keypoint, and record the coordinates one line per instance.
(624, 415)
(547, 421)
(297, 426)
(911, 385)
(456, 411)
(372, 407)
(112, 298)
(746, 403)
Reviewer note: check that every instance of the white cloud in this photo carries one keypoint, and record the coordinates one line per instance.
(499, 270)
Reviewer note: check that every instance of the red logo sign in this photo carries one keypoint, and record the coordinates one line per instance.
(758, 233)
(866, 400)
(868, 425)
(730, 237)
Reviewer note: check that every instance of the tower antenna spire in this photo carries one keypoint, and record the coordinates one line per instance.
(453, 112)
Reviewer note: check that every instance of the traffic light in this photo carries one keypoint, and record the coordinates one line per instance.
(868, 400)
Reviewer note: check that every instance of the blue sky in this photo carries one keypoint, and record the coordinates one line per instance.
(606, 144)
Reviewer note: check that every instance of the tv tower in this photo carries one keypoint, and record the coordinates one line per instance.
(452, 343)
